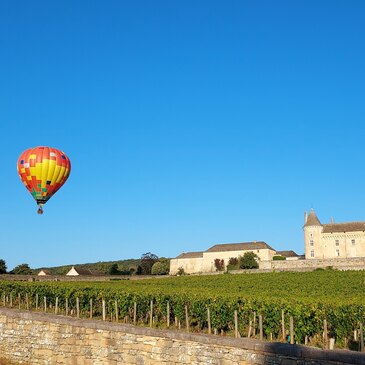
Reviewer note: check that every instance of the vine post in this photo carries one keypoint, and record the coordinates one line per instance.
(187, 318)
(135, 313)
(116, 311)
(261, 328)
(209, 323)
(283, 325)
(168, 314)
(77, 307)
(291, 330)
(151, 313)
(325, 335)
(104, 311)
(254, 324)
(91, 308)
(235, 324)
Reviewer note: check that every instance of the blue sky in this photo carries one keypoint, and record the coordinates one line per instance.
(188, 123)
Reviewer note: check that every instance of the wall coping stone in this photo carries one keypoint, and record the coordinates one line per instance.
(277, 348)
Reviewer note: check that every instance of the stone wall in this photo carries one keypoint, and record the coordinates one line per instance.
(37, 338)
(307, 265)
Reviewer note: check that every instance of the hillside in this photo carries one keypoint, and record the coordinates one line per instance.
(101, 266)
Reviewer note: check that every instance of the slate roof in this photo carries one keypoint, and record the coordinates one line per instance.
(239, 246)
(344, 227)
(289, 253)
(46, 272)
(312, 219)
(190, 255)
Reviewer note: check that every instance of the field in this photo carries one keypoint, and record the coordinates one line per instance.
(310, 298)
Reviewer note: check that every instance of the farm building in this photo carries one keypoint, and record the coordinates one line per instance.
(44, 272)
(77, 271)
(196, 262)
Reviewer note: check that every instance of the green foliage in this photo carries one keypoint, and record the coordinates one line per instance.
(309, 297)
(279, 258)
(180, 271)
(22, 269)
(147, 261)
(3, 267)
(160, 268)
(233, 264)
(248, 261)
(102, 266)
(113, 270)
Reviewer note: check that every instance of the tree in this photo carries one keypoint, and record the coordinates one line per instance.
(248, 261)
(219, 264)
(22, 269)
(3, 267)
(147, 261)
(113, 270)
(160, 268)
(232, 263)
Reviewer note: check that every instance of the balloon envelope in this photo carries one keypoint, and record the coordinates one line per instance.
(43, 170)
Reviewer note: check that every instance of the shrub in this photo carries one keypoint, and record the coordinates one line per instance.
(248, 261)
(219, 264)
(233, 263)
(160, 268)
(279, 258)
(180, 271)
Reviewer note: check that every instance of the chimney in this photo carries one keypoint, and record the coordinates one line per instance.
(305, 217)
(332, 221)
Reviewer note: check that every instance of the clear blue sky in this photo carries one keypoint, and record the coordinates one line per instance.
(188, 123)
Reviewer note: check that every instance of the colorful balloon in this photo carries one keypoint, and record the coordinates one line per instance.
(43, 170)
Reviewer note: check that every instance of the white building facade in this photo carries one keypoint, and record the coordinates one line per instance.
(333, 240)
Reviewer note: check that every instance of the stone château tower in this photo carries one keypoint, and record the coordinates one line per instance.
(333, 240)
(312, 236)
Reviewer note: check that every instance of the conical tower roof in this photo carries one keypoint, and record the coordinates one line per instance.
(312, 219)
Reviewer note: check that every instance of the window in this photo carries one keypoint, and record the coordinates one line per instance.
(353, 242)
(337, 252)
(312, 253)
(311, 242)
(337, 242)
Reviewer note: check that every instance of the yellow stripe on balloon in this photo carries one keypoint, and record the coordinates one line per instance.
(61, 174)
(51, 170)
(55, 174)
(38, 171)
(45, 167)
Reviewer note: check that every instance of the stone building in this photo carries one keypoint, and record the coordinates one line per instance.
(199, 262)
(333, 240)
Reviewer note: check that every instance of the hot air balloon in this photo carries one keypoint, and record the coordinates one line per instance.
(43, 170)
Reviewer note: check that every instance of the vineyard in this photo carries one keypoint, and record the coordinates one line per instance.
(270, 305)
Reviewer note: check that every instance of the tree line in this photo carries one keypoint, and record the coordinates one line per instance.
(148, 264)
